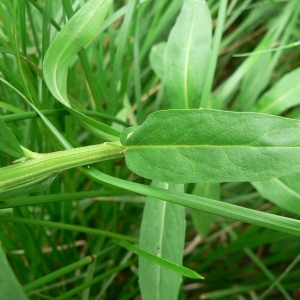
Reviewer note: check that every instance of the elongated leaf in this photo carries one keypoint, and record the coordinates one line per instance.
(284, 191)
(161, 261)
(9, 286)
(213, 146)
(77, 33)
(201, 220)
(283, 95)
(187, 54)
(220, 208)
(8, 141)
(157, 59)
(162, 233)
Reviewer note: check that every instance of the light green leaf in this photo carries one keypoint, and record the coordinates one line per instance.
(187, 54)
(283, 95)
(202, 220)
(8, 141)
(9, 286)
(162, 233)
(157, 59)
(207, 145)
(160, 261)
(77, 33)
(283, 191)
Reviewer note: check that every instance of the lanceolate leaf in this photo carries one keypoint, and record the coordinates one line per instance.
(284, 191)
(213, 146)
(283, 95)
(157, 59)
(162, 234)
(187, 54)
(77, 33)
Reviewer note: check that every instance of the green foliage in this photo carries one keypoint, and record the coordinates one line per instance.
(74, 75)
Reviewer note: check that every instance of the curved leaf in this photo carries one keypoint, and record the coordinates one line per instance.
(184, 146)
(187, 54)
(77, 33)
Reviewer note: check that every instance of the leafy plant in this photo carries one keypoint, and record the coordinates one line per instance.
(183, 148)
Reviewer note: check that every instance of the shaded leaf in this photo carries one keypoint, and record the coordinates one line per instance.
(157, 59)
(283, 95)
(162, 234)
(9, 286)
(201, 220)
(8, 141)
(283, 191)
(207, 145)
(187, 54)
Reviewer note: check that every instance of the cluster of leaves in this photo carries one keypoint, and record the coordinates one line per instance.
(191, 130)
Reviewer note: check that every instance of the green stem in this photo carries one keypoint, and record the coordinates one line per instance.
(52, 163)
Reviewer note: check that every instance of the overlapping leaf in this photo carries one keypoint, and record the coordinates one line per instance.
(212, 146)
(187, 54)
(77, 33)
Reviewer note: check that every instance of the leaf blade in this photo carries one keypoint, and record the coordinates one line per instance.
(184, 146)
(186, 55)
(162, 234)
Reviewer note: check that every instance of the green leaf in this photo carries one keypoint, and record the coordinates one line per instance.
(187, 54)
(282, 96)
(283, 191)
(9, 286)
(202, 220)
(157, 59)
(207, 145)
(77, 33)
(162, 233)
(160, 261)
(8, 141)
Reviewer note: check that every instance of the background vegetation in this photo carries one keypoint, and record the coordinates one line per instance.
(113, 80)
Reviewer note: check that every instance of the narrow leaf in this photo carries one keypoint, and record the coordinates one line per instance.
(283, 95)
(8, 141)
(183, 146)
(187, 54)
(162, 234)
(283, 191)
(160, 261)
(77, 33)
(9, 286)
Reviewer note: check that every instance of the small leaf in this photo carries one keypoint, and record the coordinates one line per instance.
(157, 59)
(162, 233)
(160, 261)
(283, 191)
(8, 141)
(282, 96)
(9, 286)
(187, 54)
(207, 145)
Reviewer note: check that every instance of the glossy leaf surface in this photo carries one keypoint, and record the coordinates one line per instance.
(213, 146)
(187, 54)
